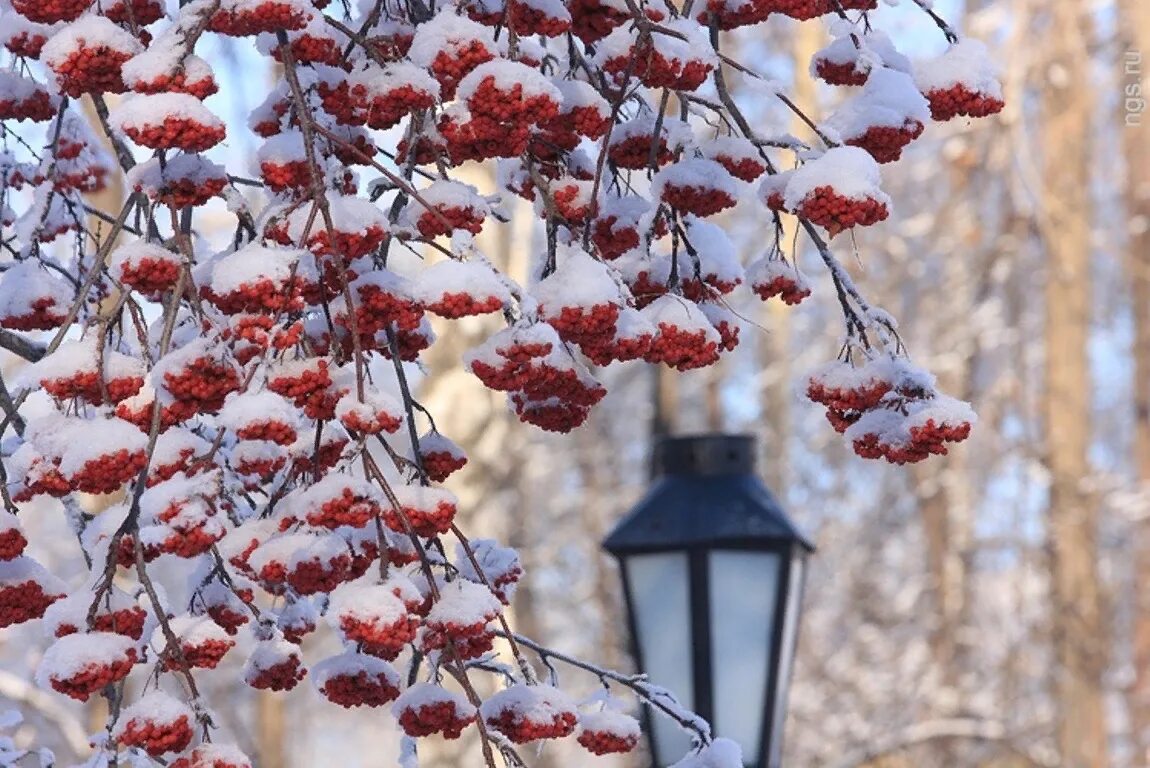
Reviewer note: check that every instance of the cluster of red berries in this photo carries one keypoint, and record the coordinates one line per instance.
(440, 458)
(447, 717)
(156, 738)
(727, 15)
(645, 62)
(885, 143)
(457, 305)
(199, 653)
(379, 637)
(308, 48)
(318, 574)
(151, 276)
(42, 478)
(227, 614)
(51, 11)
(184, 541)
(606, 742)
(177, 133)
(380, 306)
(682, 349)
(26, 43)
(697, 199)
(592, 20)
(804, 10)
(834, 212)
(178, 82)
(138, 12)
(521, 729)
(925, 441)
(450, 66)
(203, 383)
(529, 713)
(634, 152)
(128, 622)
(283, 176)
(23, 602)
(889, 411)
(565, 129)
(108, 473)
(306, 386)
(12, 543)
(789, 288)
(138, 410)
(211, 756)
(37, 107)
(443, 220)
(583, 325)
(572, 201)
(89, 387)
(527, 19)
(428, 513)
(268, 429)
(244, 20)
(949, 103)
(845, 404)
(379, 421)
(97, 69)
(743, 168)
(845, 73)
(295, 627)
(613, 238)
(283, 675)
(92, 678)
(466, 641)
(345, 508)
(360, 689)
(183, 191)
(539, 379)
(384, 110)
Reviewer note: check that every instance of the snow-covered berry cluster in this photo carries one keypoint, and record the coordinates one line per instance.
(889, 409)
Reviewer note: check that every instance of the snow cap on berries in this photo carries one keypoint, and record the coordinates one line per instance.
(888, 98)
(454, 288)
(81, 664)
(464, 603)
(213, 755)
(26, 590)
(275, 665)
(525, 713)
(963, 80)
(448, 32)
(31, 298)
(425, 708)
(356, 679)
(850, 171)
(89, 31)
(579, 280)
(608, 730)
(720, 753)
(157, 723)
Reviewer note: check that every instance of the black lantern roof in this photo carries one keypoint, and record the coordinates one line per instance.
(705, 495)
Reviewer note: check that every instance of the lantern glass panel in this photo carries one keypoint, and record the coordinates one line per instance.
(787, 657)
(661, 606)
(743, 590)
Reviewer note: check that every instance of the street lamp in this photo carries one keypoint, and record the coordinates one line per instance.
(713, 576)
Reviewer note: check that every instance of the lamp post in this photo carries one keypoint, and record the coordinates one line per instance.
(713, 577)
